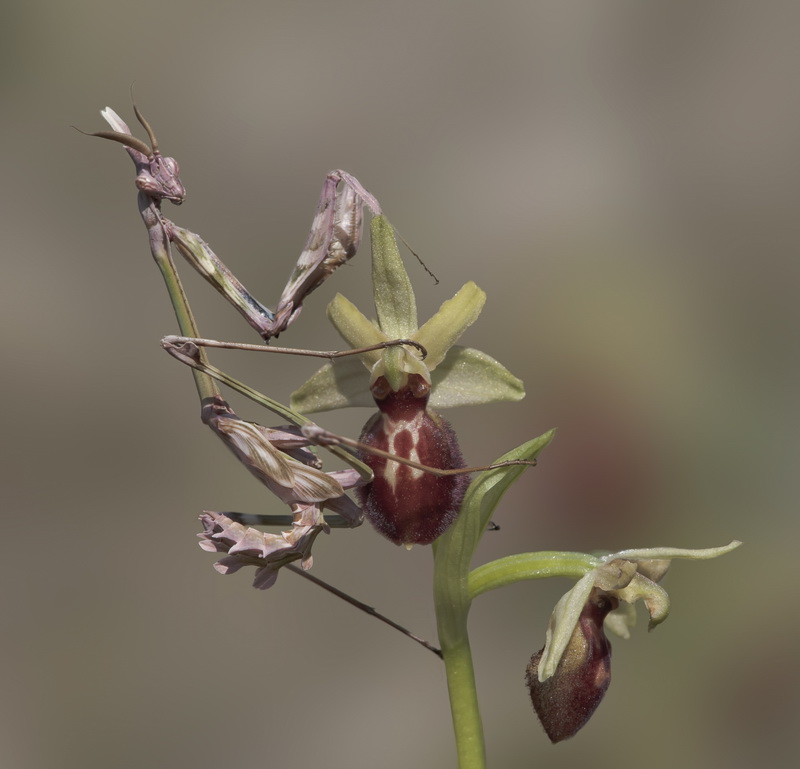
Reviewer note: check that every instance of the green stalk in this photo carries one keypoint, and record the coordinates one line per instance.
(451, 602)
(523, 566)
(467, 724)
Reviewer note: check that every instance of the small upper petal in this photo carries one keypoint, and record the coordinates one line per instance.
(452, 319)
(355, 328)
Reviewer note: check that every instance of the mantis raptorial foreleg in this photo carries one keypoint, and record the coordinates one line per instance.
(334, 237)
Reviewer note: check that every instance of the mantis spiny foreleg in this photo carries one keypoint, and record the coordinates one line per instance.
(334, 237)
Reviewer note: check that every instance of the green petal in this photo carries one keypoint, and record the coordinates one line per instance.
(469, 377)
(454, 317)
(394, 297)
(334, 386)
(654, 596)
(355, 328)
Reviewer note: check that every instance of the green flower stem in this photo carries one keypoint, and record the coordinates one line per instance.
(522, 566)
(451, 600)
(464, 704)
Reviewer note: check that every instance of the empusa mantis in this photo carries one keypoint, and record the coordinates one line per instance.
(408, 468)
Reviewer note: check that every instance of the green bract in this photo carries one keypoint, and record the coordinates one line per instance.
(459, 376)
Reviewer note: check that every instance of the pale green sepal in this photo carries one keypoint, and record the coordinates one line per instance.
(453, 318)
(660, 553)
(469, 377)
(355, 328)
(562, 624)
(394, 297)
(334, 386)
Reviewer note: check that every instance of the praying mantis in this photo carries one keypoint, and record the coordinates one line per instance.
(406, 468)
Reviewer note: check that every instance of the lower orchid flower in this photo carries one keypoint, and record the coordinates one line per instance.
(568, 678)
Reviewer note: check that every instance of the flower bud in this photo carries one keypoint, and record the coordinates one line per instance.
(565, 701)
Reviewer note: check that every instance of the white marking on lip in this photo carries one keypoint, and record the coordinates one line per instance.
(391, 429)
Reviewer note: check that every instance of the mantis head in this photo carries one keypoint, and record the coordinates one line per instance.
(157, 176)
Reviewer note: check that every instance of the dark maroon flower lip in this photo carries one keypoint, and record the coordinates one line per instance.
(407, 505)
(566, 700)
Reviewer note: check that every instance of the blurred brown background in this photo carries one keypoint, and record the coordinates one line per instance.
(620, 177)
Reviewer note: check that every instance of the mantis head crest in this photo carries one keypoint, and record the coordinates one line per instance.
(158, 176)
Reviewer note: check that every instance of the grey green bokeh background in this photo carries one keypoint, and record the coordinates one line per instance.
(621, 178)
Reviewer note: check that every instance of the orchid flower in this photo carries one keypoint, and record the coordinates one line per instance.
(406, 504)
(569, 676)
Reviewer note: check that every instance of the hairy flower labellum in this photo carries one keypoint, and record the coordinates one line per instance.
(407, 505)
(567, 700)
